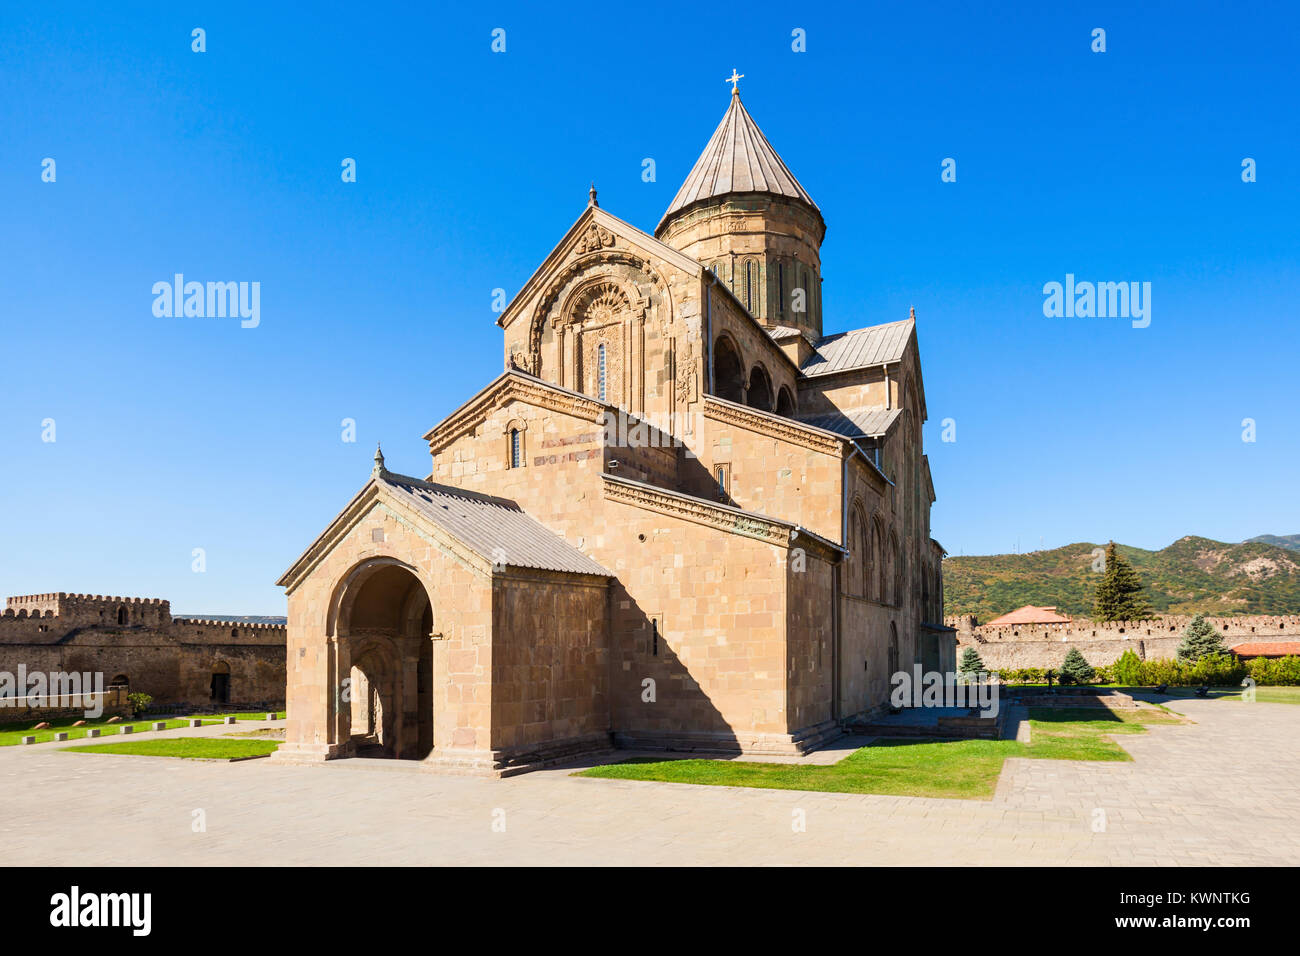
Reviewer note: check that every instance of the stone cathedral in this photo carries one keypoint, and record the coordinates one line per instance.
(683, 518)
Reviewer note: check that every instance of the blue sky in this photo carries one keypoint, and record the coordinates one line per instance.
(174, 434)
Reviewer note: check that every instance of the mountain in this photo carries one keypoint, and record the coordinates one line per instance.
(1192, 574)
(1289, 541)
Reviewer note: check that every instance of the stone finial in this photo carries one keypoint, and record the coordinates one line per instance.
(379, 462)
(591, 195)
(911, 312)
(734, 80)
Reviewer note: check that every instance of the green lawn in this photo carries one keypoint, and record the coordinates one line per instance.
(219, 718)
(11, 734)
(964, 769)
(206, 748)
(1267, 695)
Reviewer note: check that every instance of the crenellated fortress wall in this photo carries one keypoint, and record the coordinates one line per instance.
(176, 660)
(1045, 645)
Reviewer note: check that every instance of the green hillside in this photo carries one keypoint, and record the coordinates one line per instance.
(1289, 541)
(1192, 574)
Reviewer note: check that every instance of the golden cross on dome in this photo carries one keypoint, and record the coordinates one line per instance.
(733, 80)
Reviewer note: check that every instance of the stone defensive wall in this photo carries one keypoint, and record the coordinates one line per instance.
(178, 661)
(1045, 645)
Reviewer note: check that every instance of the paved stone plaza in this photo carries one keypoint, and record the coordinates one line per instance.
(1222, 791)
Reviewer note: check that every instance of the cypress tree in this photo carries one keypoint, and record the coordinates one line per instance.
(1119, 592)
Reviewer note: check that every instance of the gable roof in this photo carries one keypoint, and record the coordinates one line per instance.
(624, 230)
(855, 422)
(737, 159)
(859, 348)
(1030, 614)
(781, 332)
(512, 384)
(497, 530)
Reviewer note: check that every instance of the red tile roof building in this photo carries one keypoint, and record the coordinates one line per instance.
(1030, 614)
(1267, 649)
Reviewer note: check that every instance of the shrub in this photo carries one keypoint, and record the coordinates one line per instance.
(139, 701)
(1022, 675)
(1280, 671)
(1128, 669)
(1218, 669)
(1215, 669)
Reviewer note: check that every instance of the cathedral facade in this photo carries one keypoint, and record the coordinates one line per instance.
(682, 518)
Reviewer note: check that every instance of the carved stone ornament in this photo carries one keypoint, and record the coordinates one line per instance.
(523, 362)
(596, 237)
(687, 375)
(601, 304)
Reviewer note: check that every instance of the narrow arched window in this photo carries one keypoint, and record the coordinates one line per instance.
(780, 288)
(600, 373)
(516, 449)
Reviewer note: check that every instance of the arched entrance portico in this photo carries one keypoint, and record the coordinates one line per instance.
(382, 660)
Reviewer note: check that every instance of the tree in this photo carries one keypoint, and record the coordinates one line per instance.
(1119, 592)
(1076, 670)
(1199, 640)
(970, 662)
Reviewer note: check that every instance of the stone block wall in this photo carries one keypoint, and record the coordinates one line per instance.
(776, 466)
(550, 662)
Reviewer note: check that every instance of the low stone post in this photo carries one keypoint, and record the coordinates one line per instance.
(29, 740)
(160, 725)
(61, 735)
(228, 720)
(92, 732)
(125, 729)
(195, 722)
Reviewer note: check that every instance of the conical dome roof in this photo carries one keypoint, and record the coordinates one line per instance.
(738, 159)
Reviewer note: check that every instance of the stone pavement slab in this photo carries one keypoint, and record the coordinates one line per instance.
(1224, 790)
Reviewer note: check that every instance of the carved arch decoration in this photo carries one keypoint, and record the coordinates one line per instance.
(594, 348)
(590, 264)
(598, 300)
